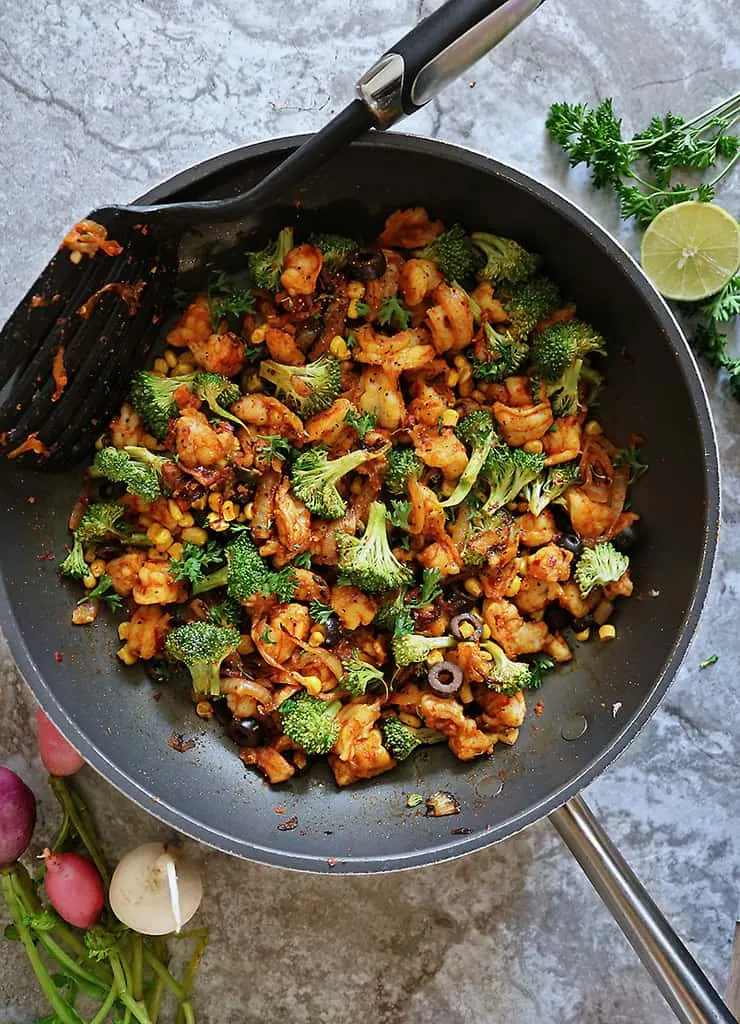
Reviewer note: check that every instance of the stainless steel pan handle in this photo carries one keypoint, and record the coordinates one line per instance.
(682, 982)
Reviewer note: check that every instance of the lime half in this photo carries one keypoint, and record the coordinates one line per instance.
(691, 250)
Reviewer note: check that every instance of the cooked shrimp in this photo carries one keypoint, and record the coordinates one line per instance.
(410, 229)
(196, 442)
(127, 428)
(301, 270)
(380, 394)
(270, 416)
(450, 320)
(282, 347)
(418, 279)
(521, 425)
(219, 353)
(193, 326)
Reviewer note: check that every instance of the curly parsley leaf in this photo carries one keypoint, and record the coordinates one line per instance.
(194, 560)
(320, 612)
(104, 592)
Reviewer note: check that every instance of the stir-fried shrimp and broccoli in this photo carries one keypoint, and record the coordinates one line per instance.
(360, 500)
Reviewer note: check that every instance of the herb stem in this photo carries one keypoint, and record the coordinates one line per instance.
(106, 1006)
(73, 805)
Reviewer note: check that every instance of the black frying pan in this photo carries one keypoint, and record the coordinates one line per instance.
(599, 702)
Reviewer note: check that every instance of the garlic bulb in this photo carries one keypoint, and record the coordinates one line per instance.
(155, 889)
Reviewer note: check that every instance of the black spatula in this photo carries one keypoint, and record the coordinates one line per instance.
(68, 350)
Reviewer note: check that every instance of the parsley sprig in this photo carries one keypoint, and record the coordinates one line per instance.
(640, 170)
(224, 296)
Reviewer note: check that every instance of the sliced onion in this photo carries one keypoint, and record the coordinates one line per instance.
(446, 678)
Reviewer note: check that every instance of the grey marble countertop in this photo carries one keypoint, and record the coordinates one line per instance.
(98, 102)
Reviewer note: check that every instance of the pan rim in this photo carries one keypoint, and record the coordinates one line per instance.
(451, 847)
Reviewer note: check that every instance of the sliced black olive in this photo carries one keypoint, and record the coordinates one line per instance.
(571, 542)
(627, 539)
(366, 264)
(556, 618)
(472, 620)
(333, 630)
(579, 625)
(247, 732)
(445, 677)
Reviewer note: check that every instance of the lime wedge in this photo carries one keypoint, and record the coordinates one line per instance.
(691, 250)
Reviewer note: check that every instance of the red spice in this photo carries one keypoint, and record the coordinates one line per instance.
(46, 556)
(178, 742)
(289, 825)
(279, 810)
(58, 656)
(129, 293)
(31, 499)
(59, 374)
(332, 862)
(539, 708)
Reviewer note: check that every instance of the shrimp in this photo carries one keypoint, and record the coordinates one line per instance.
(353, 607)
(147, 631)
(450, 319)
(127, 428)
(440, 450)
(270, 416)
(407, 350)
(124, 571)
(196, 442)
(292, 521)
(511, 631)
(418, 279)
(219, 353)
(380, 395)
(282, 347)
(447, 716)
(193, 326)
(301, 270)
(521, 425)
(156, 586)
(410, 229)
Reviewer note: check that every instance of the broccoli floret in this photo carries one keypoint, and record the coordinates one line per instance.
(401, 740)
(528, 303)
(498, 356)
(478, 430)
(564, 395)
(117, 465)
(359, 674)
(335, 248)
(598, 566)
(486, 533)
(403, 464)
(454, 254)
(314, 480)
(549, 485)
(413, 647)
(103, 520)
(244, 574)
(558, 346)
(202, 647)
(266, 265)
(507, 471)
(152, 397)
(74, 565)
(307, 389)
(367, 562)
(395, 617)
(310, 722)
(506, 260)
(594, 382)
(509, 677)
(217, 392)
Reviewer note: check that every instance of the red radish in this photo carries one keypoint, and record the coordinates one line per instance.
(74, 888)
(59, 756)
(17, 817)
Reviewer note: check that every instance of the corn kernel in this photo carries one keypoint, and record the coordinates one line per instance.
(229, 511)
(175, 511)
(180, 369)
(485, 633)
(466, 630)
(89, 581)
(466, 693)
(478, 395)
(194, 535)
(203, 709)
(259, 334)
(127, 656)
(248, 510)
(514, 587)
(338, 347)
(97, 568)
(435, 657)
(452, 378)
(352, 310)
(215, 501)
(410, 720)
(607, 632)
(160, 366)
(473, 587)
(187, 520)
(355, 290)
(316, 639)
(602, 612)
(216, 523)
(160, 535)
(533, 446)
(520, 564)
(100, 444)
(75, 256)
(450, 418)
(485, 655)
(583, 635)
(246, 645)
(313, 684)
(175, 551)
(124, 629)
(592, 428)
(170, 358)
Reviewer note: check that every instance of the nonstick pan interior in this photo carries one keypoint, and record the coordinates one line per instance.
(121, 721)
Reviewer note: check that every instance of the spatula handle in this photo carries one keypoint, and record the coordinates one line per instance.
(438, 49)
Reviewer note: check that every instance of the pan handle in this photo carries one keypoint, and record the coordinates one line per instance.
(438, 49)
(681, 981)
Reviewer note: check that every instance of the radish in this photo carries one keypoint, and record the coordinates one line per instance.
(74, 888)
(59, 756)
(155, 889)
(17, 817)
